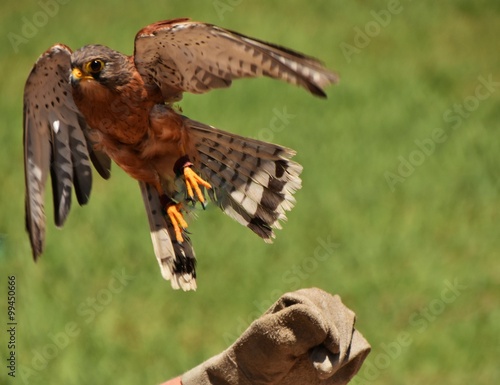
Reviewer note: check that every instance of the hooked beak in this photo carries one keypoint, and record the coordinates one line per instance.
(77, 75)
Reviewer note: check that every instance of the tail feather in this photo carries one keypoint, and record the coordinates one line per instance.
(177, 261)
(253, 181)
(264, 163)
(268, 171)
(251, 187)
(234, 142)
(245, 208)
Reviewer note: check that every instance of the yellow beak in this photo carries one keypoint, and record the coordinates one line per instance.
(77, 74)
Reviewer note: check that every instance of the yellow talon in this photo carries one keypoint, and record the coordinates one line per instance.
(174, 213)
(193, 181)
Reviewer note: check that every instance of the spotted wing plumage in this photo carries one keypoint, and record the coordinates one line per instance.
(252, 181)
(55, 143)
(187, 56)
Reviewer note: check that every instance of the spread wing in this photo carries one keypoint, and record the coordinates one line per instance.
(186, 56)
(55, 143)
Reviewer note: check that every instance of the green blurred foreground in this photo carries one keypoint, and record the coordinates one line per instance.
(398, 213)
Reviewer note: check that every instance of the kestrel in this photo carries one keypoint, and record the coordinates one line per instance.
(95, 105)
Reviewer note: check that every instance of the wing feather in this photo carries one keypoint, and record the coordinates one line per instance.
(55, 143)
(186, 56)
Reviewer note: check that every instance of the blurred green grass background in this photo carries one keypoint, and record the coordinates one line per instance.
(398, 246)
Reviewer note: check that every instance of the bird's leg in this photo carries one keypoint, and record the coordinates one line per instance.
(184, 166)
(173, 211)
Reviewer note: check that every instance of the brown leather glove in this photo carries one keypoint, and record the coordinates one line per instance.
(306, 337)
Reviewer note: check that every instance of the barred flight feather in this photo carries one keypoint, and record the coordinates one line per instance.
(196, 57)
(55, 142)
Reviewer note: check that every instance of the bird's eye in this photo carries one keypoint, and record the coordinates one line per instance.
(94, 66)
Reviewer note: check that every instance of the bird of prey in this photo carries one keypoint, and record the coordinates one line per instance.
(95, 105)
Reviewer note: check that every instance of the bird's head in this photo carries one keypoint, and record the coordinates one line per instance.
(97, 64)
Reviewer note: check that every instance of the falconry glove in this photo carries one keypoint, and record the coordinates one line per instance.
(306, 337)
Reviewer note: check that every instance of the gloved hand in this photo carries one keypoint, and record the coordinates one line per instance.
(306, 337)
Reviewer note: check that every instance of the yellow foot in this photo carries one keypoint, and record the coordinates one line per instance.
(174, 213)
(193, 181)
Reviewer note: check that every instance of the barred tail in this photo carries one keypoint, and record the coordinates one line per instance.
(253, 181)
(177, 261)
